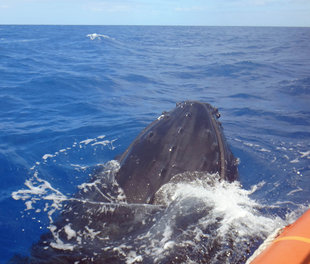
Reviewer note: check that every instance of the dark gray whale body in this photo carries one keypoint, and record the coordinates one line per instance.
(97, 226)
(189, 138)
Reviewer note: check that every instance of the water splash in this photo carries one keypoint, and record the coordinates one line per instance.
(216, 217)
(40, 195)
(94, 36)
(197, 218)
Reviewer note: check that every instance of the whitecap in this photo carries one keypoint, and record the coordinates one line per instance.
(46, 156)
(304, 154)
(87, 141)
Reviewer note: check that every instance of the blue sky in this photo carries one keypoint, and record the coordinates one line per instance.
(157, 12)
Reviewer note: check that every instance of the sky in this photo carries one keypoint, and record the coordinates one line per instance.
(157, 12)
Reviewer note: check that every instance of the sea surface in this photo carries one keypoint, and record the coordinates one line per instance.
(72, 98)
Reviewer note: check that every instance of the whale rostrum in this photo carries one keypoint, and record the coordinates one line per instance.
(188, 138)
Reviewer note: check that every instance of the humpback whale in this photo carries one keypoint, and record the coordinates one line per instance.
(189, 138)
(110, 217)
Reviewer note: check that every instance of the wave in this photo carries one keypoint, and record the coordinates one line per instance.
(20, 41)
(296, 87)
(242, 68)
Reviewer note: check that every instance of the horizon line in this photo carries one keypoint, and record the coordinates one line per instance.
(152, 25)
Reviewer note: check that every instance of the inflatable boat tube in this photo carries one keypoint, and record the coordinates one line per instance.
(290, 246)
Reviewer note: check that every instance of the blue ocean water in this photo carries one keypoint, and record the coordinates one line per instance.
(73, 97)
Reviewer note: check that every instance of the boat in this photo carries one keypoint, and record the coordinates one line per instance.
(289, 245)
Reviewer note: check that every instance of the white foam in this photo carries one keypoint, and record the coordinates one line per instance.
(230, 203)
(86, 187)
(95, 142)
(294, 191)
(69, 231)
(169, 245)
(87, 141)
(234, 206)
(166, 235)
(77, 166)
(58, 243)
(257, 186)
(294, 160)
(103, 143)
(304, 154)
(91, 232)
(40, 190)
(160, 117)
(81, 144)
(264, 150)
(46, 156)
(28, 205)
(133, 258)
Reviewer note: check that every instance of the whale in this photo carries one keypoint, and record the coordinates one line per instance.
(119, 209)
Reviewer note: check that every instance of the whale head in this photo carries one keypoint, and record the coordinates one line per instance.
(188, 138)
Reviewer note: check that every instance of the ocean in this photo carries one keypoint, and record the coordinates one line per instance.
(72, 98)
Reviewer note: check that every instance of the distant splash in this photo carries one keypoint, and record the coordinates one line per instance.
(94, 36)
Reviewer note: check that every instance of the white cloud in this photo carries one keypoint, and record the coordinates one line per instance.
(110, 7)
(190, 8)
(262, 2)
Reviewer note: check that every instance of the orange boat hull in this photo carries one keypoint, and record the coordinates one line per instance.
(292, 246)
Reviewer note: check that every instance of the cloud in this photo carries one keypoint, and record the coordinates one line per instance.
(111, 7)
(262, 2)
(190, 8)
(4, 6)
